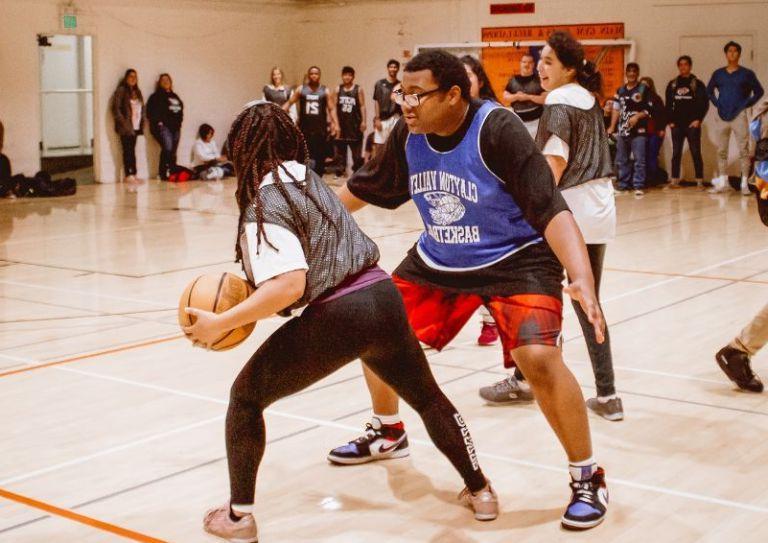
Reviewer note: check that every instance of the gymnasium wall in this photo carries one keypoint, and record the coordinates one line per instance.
(365, 33)
(218, 52)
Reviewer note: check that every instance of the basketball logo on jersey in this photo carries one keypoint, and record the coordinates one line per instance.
(682, 91)
(637, 97)
(447, 208)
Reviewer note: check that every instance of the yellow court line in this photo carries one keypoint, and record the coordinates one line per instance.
(82, 519)
(111, 350)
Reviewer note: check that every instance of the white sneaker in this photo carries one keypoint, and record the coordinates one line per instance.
(719, 184)
(745, 187)
(639, 193)
(700, 184)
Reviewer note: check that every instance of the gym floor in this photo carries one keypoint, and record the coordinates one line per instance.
(113, 424)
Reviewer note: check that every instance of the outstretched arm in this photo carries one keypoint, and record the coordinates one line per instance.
(564, 237)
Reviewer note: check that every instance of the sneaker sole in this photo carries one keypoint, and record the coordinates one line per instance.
(487, 344)
(577, 525)
(493, 403)
(613, 417)
(486, 516)
(402, 453)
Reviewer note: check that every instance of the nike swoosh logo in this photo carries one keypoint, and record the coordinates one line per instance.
(384, 449)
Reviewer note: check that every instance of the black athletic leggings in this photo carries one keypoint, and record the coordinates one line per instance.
(370, 324)
(599, 353)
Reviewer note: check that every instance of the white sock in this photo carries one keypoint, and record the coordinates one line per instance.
(606, 399)
(241, 510)
(387, 419)
(582, 470)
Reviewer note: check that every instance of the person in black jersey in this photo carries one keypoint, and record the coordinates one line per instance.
(525, 95)
(350, 111)
(277, 92)
(316, 108)
(302, 248)
(387, 111)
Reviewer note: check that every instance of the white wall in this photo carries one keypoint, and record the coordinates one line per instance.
(220, 51)
(366, 33)
(219, 54)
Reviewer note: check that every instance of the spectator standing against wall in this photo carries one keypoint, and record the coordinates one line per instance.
(350, 111)
(631, 110)
(732, 89)
(687, 103)
(525, 95)
(657, 129)
(165, 111)
(387, 110)
(130, 116)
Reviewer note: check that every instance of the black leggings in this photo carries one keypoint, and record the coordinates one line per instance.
(370, 324)
(599, 353)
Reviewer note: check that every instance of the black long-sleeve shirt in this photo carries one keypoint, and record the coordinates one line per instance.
(167, 108)
(686, 100)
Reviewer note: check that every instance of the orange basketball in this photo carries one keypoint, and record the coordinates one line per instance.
(216, 292)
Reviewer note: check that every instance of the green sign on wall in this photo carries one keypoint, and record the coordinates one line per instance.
(70, 21)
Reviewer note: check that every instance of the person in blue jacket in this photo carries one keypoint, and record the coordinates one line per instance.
(732, 89)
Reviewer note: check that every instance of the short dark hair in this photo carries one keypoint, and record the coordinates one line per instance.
(314, 68)
(392, 61)
(204, 130)
(446, 68)
(632, 66)
(686, 58)
(732, 44)
(527, 54)
(348, 70)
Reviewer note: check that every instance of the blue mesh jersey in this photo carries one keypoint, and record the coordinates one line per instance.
(471, 221)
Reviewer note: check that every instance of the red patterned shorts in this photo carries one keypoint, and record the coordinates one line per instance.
(522, 319)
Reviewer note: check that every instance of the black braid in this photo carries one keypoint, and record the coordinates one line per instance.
(263, 137)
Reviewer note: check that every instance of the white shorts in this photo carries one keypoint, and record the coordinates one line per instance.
(594, 209)
(532, 127)
(380, 136)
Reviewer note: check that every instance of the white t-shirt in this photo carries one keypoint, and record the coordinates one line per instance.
(288, 255)
(593, 203)
(203, 152)
(136, 113)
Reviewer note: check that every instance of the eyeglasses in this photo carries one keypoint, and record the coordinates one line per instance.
(411, 100)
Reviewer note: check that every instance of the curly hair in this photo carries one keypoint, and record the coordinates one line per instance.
(263, 137)
(570, 53)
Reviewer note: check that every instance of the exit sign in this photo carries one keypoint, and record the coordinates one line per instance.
(516, 8)
(70, 21)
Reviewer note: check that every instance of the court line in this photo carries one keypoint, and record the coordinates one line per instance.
(111, 350)
(684, 276)
(110, 450)
(77, 517)
(346, 427)
(697, 271)
(81, 292)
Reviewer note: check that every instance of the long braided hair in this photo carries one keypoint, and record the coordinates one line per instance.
(263, 137)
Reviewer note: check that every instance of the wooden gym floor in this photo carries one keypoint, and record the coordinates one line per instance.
(112, 425)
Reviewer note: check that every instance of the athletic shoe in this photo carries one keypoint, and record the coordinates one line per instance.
(610, 410)
(719, 184)
(489, 334)
(589, 503)
(620, 190)
(218, 523)
(673, 184)
(745, 187)
(485, 503)
(700, 184)
(507, 392)
(735, 364)
(639, 192)
(379, 442)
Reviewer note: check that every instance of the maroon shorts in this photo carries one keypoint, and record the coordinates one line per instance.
(522, 319)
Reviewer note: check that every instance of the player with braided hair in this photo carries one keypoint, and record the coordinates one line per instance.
(300, 247)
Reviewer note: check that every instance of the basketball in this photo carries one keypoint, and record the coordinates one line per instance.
(216, 293)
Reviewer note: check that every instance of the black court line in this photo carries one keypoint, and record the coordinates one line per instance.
(75, 317)
(729, 283)
(208, 462)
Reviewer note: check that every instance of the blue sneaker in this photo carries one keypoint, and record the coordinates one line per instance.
(589, 503)
(379, 442)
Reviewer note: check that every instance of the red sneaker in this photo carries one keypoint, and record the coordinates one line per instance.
(488, 335)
